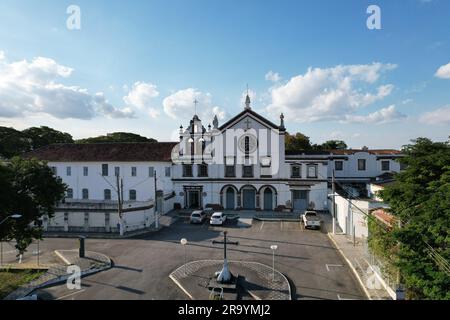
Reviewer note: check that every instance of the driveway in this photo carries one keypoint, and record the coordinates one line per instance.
(142, 266)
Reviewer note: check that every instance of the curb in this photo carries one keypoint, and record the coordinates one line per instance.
(173, 278)
(366, 292)
(59, 279)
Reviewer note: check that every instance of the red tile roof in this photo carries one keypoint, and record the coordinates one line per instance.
(370, 151)
(384, 216)
(128, 152)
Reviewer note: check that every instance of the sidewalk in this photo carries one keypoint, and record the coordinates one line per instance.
(356, 260)
(57, 273)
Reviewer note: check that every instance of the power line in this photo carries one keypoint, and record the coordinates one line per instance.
(434, 255)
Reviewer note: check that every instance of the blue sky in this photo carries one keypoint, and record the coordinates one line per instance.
(138, 65)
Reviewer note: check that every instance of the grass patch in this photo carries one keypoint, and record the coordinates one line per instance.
(10, 280)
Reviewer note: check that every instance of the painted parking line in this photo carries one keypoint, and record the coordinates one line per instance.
(328, 266)
(281, 225)
(340, 298)
(262, 225)
(70, 294)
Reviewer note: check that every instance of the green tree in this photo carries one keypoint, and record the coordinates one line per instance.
(29, 188)
(13, 142)
(117, 137)
(297, 142)
(44, 136)
(420, 199)
(333, 145)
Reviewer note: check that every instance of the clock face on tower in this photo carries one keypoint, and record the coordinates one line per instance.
(248, 143)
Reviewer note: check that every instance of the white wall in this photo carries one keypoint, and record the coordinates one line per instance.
(96, 183)
(97, 221)
(347, 215)
(350, 166)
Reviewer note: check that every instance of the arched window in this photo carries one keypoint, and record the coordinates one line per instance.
(247, 144)
(107, 194)
(132, 195)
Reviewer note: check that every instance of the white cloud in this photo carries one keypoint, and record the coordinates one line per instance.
(439, 116)
(406, 101)
(153, 113)
(384, 115)
(104, 107)
(180, 105)
(443, 72)
(272, 76)
(329, 94)
(141, 95)
(34, 87)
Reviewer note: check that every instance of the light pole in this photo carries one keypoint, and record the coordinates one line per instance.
(13, 216)
(155, 205)
(184, 243)
(273, 248)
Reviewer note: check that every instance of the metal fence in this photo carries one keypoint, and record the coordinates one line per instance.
(385, 270)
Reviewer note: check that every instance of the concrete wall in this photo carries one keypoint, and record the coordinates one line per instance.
(96, 183)
(89, 216)
(348, 214)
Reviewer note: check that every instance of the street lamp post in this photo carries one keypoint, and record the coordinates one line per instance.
(184, 243)
(155, 205)
(273, 248)
(12, 216)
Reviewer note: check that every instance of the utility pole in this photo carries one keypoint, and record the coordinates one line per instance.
(155, 205)
(333, 208)
(119, 183)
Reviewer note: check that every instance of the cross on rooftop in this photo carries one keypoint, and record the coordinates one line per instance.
(248, 122)
(195, 103)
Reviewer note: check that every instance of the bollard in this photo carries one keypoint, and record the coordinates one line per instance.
(81, 250)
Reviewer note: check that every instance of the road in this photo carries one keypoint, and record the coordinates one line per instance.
(142, 266)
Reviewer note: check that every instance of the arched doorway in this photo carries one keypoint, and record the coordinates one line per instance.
(268, 199)
(229, 199)
(249, 198)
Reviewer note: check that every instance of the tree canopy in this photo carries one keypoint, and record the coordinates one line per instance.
(30, 189)
(297, 142)
(420, 199)
(301, 142)
(333, 145)
(14, 142)
(117, 137)
(44, 136)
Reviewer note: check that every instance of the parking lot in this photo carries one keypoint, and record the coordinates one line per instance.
(142, 266)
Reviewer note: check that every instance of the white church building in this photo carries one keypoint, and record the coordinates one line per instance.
(239, 165)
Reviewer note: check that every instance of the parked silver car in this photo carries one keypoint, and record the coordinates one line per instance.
(198, 216)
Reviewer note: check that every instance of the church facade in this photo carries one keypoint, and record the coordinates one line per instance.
(242, 165)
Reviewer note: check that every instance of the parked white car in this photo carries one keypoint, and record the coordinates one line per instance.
(217, 219)
(311, 220)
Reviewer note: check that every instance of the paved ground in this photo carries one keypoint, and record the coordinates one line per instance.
(142, 266)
